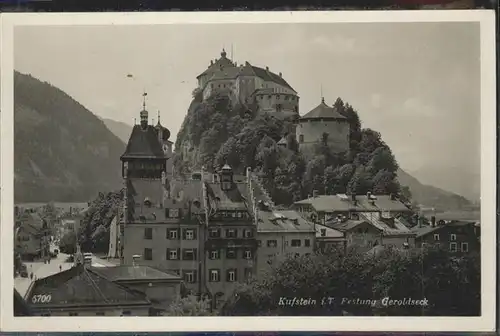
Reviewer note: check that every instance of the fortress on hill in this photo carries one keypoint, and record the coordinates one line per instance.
(246, 83)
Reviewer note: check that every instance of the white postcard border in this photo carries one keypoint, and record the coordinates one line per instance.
(150, 324)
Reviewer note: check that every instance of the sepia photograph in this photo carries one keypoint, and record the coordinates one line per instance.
(304, 166)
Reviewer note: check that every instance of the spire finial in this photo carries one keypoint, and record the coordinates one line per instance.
(223, 53)
(144, 94)
(321, 91)
(158, 116)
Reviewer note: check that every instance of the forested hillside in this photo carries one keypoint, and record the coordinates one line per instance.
(62, 152)
(214, 132)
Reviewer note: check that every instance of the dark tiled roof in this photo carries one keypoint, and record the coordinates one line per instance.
(270, 76)
(424, 230)
(143, 143)
(127, 273)
(348, 225)
(225, 73)
(233, 199)
(79, 286)
(323, 111)
(333, 203)
(223, 62)
(283, 221)
(183, 194)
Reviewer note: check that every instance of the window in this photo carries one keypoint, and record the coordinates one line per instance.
(307, 243)
(465, 247)
(231, 253)
(436, 236)
(172, 234)
(100, 314)
(259, 243)
(247, 254)
(231, 275)
(453, 247)
(172, 254)
(189, 234)
(231, 233)
(214, 275)
(148, 254)
(296, 242)
(126, 313)
(189, 277)
(248, 233)
(148, 233)
(323, 232)
(272, 243)
(189, 254)
(453, 237)
(73, 314)
(214, 254)
(214, 233)
(301, 138)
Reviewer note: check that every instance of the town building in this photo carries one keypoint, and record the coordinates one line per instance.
(248, 84)
(339, 212)
(160, 288)
(323, 124)
(455, 236)
(32, 235)
(328, 238)
(80, 291)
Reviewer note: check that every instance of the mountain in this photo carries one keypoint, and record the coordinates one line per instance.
(118, 128)
(62, 152)
(430, 196)
(422, 194)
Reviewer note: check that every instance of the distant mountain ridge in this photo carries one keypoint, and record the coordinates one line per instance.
(425, 195)
(63, 152)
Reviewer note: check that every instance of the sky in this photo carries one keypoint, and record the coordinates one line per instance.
(418, 84)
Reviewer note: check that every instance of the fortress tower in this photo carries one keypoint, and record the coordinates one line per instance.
(323, 119)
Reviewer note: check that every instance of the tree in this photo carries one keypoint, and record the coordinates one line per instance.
(360, 182)
(382, 159)
(189, 306)
(384, 182)
(67, 243)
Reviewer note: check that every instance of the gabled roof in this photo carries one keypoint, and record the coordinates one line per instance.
(234, 199)
(79, 286)
(143, 143)
(329, 232)
(269, 76)
(323, 111)
(225, 73)
(424, 230)
(131, 273)
(223, 62)
(282, 221)
(182, 194)
(349, 225)
(334, 203)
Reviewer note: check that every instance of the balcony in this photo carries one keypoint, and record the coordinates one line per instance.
(214, 243)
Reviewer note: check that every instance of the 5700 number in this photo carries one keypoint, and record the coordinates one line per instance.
(41, 298)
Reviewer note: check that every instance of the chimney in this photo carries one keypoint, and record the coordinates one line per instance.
(215, 178)
(267, 68)
(368, 195)
(315, 193)
(433, 221)
(393, 197)
(281, 75)
(211, 62)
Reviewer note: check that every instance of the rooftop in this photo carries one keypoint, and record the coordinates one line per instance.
(323, 111)
(131, 273)
(283, 221)
(79, 286)
(143, 143)
(334, 203)
(424, 230)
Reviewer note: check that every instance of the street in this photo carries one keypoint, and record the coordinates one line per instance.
(41, 270)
